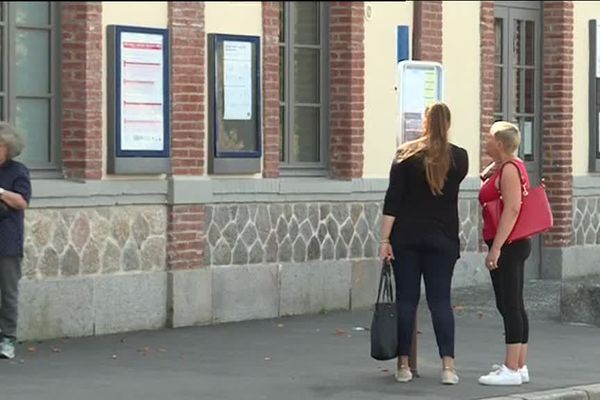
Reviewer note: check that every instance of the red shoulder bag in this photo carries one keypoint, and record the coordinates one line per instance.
(535, 216)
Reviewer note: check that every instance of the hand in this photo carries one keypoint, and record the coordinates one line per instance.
(488, 171)
(386, 253)
(491, 261)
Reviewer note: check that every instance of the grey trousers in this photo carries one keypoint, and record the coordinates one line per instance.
(10, 273)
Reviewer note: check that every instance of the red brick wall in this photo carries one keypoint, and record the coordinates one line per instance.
(427, 30)
(487, 46)
(185, 237)
(186, 23)
(81, 29)
(271, 124)
(558, 117)
(347, 92)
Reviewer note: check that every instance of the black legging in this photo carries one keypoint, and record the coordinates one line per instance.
(508, 280)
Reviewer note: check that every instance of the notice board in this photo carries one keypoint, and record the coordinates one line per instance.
(419, 84)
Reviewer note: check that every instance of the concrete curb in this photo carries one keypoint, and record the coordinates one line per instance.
(588, 392)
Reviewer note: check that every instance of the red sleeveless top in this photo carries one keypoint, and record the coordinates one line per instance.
(490, 191)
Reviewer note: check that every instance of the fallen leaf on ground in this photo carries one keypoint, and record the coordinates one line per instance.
(385, 370)
(340, 332)
(419, 333)
(162, 350)
(480, 315)
(31, 349)
(267, 358)
(280, 325)
(56, 350)
(124, 340)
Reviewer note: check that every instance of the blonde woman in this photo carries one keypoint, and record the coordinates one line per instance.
(15, 192)
(419, 234)
(506, 261)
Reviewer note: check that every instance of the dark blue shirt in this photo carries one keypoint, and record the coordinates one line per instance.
(14, 177)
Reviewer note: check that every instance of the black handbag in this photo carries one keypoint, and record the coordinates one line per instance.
(384, 326)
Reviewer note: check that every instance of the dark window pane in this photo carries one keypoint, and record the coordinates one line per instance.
(282, 22)
(306, 22)
(282, 133)
(305, 141)
(306, 75)
(517, 42)
(516, 91)
(498, 42)
(498, 95)
(32, 12)
(281, 73)
(530, 43)
(529, 90)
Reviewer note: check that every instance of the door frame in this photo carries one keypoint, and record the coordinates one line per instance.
(528, 10)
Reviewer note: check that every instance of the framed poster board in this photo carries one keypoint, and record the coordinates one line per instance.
(138, 100)
(234, 104)
(420, 83)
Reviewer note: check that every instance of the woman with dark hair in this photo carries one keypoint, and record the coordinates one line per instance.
(419, 234)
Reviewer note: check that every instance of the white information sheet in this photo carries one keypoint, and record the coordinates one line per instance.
(142, 96)
(528, 138)
(237, 80)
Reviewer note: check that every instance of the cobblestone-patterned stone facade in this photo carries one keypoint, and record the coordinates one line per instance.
(298, 232)
(89, 241)
(586, 221)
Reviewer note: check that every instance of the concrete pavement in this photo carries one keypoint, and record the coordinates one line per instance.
(308, 357)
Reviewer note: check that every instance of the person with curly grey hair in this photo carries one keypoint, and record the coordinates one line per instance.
(15, 193)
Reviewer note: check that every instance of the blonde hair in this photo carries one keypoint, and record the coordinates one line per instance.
(433, 146)
(10, 138)
(508, 134)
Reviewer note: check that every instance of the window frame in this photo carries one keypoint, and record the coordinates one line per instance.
(50, 169)
(298, 168)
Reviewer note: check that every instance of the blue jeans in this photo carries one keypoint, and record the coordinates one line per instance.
(433, 257)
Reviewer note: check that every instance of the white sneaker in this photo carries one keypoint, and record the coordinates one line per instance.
(502, 377)
(523, 371)
(403, 374)
(524, 374)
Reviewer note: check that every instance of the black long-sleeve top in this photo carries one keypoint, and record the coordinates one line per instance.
(417, 210)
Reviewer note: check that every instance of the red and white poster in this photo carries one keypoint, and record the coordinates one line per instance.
(142, 94)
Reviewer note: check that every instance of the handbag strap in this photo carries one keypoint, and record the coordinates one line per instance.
(385, 284)
(524, 190)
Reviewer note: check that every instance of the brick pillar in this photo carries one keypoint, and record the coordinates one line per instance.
(81, 28)
(271, 123)
(487, 46)
(427, 30)
(347, 90)
(558, 118)
(185, 244)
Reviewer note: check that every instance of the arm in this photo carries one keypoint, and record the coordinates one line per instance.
(18, 196)
(13, 200)
(510, 188)
(391, 209)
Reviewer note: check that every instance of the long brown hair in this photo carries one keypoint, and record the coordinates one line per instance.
(432, 147)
